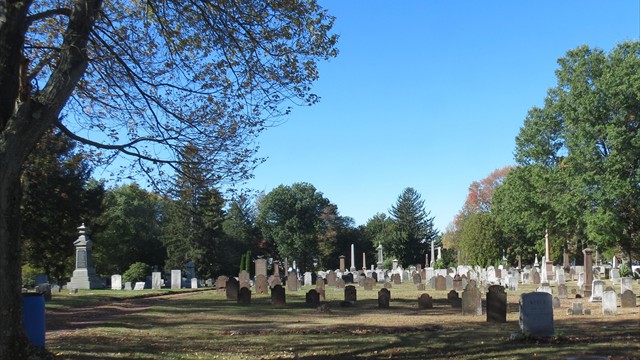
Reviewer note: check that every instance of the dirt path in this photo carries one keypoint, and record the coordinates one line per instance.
(67, 319)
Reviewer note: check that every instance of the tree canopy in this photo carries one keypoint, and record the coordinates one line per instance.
(143, 79)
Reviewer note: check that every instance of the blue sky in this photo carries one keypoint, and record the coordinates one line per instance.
(429, 95)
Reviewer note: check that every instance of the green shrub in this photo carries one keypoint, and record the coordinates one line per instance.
(138, 271)
(625, 270)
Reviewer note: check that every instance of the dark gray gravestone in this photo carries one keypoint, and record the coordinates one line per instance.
(232, 287)
(454, 299)
(441, 283)
(350, 294)
(348, 278)
(278, 296)
(496, 304)
(374, 275)
(384, 297)
(628, 299)
(471, 300)
(312, 298)
(425, 301)
(261, 285)
(244, 296)
(536, 315)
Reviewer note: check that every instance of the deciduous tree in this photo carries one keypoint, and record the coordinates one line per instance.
(143, 79)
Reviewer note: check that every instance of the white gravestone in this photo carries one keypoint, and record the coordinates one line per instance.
(156, 280)
(609, 302)
(597, 289)
(176, 279)
(139, 286)
(116, 282)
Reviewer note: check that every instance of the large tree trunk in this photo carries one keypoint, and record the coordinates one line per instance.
(24, 118)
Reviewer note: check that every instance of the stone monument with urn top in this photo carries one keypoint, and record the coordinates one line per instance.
(84, 276)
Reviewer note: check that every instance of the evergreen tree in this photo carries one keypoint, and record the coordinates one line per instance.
(414, 228)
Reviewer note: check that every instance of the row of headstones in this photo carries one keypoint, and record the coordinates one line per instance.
(155, 281)
(608, 297)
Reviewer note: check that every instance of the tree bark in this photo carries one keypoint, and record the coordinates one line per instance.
(24, 118)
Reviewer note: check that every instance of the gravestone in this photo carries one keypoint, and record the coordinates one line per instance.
(84, 276)
(513, 283)
(176, 279)
(232, 288)
(127, 286)
(348, 278)
(374, 275)
(471, 300)
(457, 283)
(340, 284)
(536, 278)
(116, 282)
(384, 297)
(581, 277)
(417, 279)
(425, 301)
(454, 299)
(278, 296)
(261, 267)
(261, 285)
(555, 302)
(331, 279)
(609, 302)
(420, 287)
(194, 283)
(544, 287)
(626, 283)
(397, 280)
(441, 283)
(292, 281)
(312, 297)
(562, 291)
(369, 284)
(273, 281)
(244, 296)
(597, 291)
(139, 285)
(221, 283)
(496, 304)
(448, 280)
(308, 278)
(628, 299)
(243, 278)
(350, 294)
(536, 315)
(156, 280)
(320, 284)
(576, 308)
(615, 276)
(388, 285)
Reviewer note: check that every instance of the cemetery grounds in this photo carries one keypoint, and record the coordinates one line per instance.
(203, 324)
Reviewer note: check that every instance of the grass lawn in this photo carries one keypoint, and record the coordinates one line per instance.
(204, 325)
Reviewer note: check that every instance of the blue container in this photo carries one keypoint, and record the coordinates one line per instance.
(33, 318)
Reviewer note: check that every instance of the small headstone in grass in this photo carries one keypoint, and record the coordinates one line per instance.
(544, 287)
(628, 299)
(562, 291)
(384, 297)
(261, 285)
(448, 280)
(609, 302)
(496, 304)
(457, 283)
(232, 288)
(244, 296)
(278, 296)
(260, 267)
(420, 287)
(320, 284)
(127, 286)
(274, 280)
(536, 278)
(417, 279)
(536, 315)
(194, 283)
(348, 278)
(441, 283)
(576, 308)
(176, 279)
(139, 285)
(388, 285)
(331, 279)
(350, 294)
(425, 301)
(556, 302)
(454, 299)
(116, 282)
(292, 281)
(312, 297)
(340, 284)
